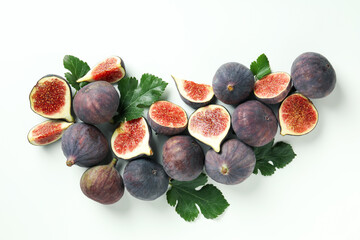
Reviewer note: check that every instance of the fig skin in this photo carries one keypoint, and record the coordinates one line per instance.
(280, 97)
(84, 145)
(190, 102)
(232, 165)
(166, 130)
(96, 103)
(65, 112)
(103, 184)
(313, 75)
(183, 158)
(145, 180)
(144, 144)
(233, 83)
(254, 123)
(47, 132)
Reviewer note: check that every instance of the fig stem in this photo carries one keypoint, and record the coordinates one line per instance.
(113, 162)
(70, 161)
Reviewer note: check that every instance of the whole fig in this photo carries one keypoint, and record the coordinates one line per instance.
(84, 145)
(103, 184)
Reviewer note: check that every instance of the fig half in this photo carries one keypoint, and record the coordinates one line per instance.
(273, 88)
(167, 118)
(111, 70)
(47, 132)
(194, 94)
(297, 115)
(210, 125)
(132, 139)
(51, 98)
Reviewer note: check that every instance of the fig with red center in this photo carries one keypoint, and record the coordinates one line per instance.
(51, 98)
(297, 115)
(132, 139)
(167, 118)
(194, 94)
(111, 70)
(210, 125)
(47, 132)
(273, 88)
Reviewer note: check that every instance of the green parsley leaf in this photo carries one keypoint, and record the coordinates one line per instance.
(134, 98)
(270, 157)
(77, 70)
(261, 67)
(184, 197)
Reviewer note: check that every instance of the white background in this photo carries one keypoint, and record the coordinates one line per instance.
(316, 197)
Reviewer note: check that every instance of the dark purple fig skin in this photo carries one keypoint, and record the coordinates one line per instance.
(313, 75)
(96, 103)
(232, 165)
(197, 105)
(183, 158)
(233, 76)
(254, 123)
(164, 130)
(84, 145)
(145, 180)
(103, 184)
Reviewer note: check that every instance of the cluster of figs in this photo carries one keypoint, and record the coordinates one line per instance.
(230, 160)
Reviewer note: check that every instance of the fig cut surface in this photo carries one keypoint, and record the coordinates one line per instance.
(167, 118)
(194, 94)
(210, 125)
(132, 139)
(273, 88)
(297, 115)
(111, 70)
(47, 132)
(51, 98)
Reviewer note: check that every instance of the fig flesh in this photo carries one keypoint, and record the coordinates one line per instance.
(194, 94)
(167, 118)
(145, 180)
(132, 139)
(84, 145)
(96, 103)
(233, 83)
(297, 115)
(273, 88)
(254, 123)
(183, 158)
(313, 75)
(210, 125)
(111, 70)
(47, 132)
(103, 184)
(233, 165)
(51, 98)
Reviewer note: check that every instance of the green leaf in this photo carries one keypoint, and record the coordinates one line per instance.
(261, 67)
(270, 157)
(77, 68)
(185, 198)
(134, 98)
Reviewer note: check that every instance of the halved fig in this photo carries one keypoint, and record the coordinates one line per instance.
(297, 115)
(47, 132)
(132, 139)
(51, 98)
(210, 125)
(273, 88)
(111, 70)
(167, 118)
(194, 94)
